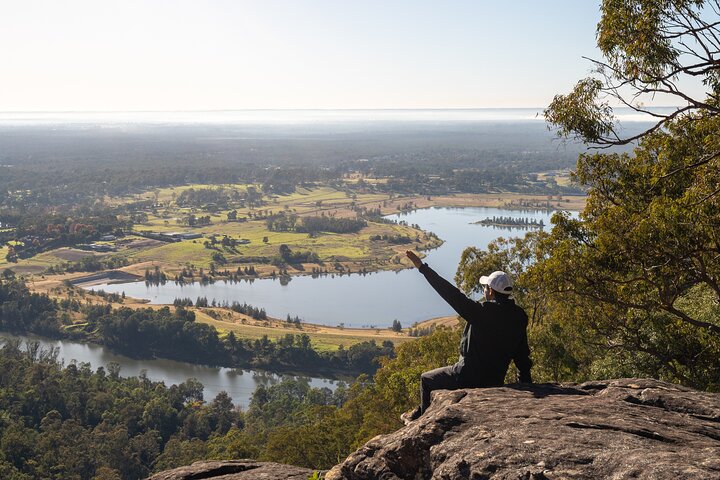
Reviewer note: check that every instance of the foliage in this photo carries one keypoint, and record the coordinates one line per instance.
(396, 239)
(23, 311)
(72, 422)
(287, 222)
(89, 263)
(650, 48)
(330, 224)
(634, 282)
(286, 255)
(630, 288)
(293, 423)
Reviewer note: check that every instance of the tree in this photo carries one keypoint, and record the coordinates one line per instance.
(650, 48)
(629, 285)
(223, 412)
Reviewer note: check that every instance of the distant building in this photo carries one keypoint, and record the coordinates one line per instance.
(95, 247)
(183, 235)
(108, 238)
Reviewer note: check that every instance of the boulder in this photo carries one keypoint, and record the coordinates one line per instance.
(627, 428)
(235, 470)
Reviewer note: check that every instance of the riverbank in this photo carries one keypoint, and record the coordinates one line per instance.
(239, 383)
(324, 337)
(104, 277)
(272, 369)
(229, 247)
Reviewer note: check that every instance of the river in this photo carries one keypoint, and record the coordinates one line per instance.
(355, 300)
(372, 300)
(239, 384)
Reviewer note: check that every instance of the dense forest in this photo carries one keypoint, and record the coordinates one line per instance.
(74, 423)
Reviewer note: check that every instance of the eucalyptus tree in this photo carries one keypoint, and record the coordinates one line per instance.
(632, 286)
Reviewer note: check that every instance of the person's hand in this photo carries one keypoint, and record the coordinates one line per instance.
(414, 258)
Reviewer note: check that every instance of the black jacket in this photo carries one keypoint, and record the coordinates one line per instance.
(496, 332)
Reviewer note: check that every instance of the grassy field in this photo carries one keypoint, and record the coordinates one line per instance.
(354, 251)
(351, 251)
(322, 338)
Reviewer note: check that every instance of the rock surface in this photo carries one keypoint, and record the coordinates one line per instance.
(235, 470)
(628, 428)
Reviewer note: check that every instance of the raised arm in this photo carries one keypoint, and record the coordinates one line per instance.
(464, 306)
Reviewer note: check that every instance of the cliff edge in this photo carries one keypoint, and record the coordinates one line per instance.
(626, 428)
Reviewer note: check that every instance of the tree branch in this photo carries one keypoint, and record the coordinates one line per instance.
(710, 327)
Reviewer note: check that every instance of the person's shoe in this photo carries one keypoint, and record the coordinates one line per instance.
(410, 416)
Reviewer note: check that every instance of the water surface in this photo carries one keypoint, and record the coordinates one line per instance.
(239, 384)
(372, 300)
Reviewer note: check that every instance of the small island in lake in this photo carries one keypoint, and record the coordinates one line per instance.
(511, 222)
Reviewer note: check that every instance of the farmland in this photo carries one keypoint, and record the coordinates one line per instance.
(234, 235)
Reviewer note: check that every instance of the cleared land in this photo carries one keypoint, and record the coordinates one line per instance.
(337, 252)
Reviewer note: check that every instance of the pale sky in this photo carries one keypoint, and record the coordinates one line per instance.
(107, 55)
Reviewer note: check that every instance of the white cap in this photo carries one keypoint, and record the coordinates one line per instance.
(498, 281)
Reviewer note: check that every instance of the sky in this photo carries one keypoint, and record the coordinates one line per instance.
(161, 55)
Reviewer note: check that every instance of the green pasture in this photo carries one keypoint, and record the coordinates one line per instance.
(302, 196)
(328, 246)
(168, 194)
(36, 264)
(178, 253)
(320, 341)
(563, 180)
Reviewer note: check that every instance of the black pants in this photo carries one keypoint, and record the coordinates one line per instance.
(443, 378)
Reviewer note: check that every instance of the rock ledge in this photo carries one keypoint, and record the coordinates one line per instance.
(235, 470)
(627, 428)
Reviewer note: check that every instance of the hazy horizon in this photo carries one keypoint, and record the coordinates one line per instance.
(299, 116)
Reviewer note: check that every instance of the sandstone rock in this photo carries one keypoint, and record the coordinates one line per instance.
(628, 428)
(235, 470)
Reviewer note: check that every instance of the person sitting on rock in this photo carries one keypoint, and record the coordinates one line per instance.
(495, 333)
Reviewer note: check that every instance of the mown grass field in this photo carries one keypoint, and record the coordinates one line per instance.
(354, 250)
(322, 338)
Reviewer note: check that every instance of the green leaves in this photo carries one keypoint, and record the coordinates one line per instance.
(580, 114)
(652, 50)
(630, 36)
(635, 274)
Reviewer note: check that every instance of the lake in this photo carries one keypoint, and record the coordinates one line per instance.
(371, 300)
